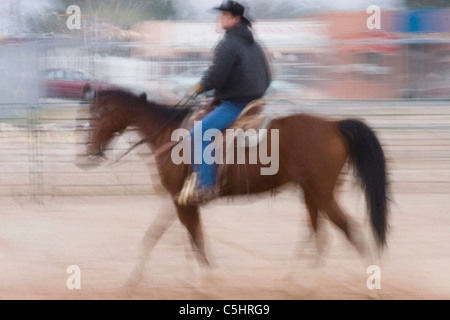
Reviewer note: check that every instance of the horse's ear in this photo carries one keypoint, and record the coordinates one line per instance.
(143, 97)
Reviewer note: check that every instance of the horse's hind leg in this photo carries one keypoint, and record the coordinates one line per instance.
(320, 237)
(190, 218)
(338, 217)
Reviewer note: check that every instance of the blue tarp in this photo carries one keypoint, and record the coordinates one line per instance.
(423, 21)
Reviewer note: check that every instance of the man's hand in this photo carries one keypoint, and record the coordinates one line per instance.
(195, 89)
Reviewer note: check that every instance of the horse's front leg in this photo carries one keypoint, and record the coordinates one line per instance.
(166, 216)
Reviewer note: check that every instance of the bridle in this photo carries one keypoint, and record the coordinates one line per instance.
(181, 104)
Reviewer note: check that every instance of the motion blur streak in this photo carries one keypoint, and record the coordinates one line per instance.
(325, 61)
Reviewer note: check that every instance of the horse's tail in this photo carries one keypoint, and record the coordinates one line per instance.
(367, 158)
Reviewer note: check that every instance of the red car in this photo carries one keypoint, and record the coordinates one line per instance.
(71, 84)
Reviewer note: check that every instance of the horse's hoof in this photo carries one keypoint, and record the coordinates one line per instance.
(374, 295)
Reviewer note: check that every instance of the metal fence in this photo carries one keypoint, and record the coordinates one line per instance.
(39, 149)
(40, 138)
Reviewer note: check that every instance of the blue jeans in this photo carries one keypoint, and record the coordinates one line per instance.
(220, 118)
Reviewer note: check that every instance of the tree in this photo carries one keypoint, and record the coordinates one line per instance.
(260, 9)
(275, 9)
(427, 3)
(121, 13)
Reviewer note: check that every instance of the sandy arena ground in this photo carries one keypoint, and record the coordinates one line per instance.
(252, 247)
(260, 249)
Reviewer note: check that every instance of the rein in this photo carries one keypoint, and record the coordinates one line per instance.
(163, 127)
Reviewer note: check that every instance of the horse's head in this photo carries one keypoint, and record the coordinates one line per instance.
(109, 115)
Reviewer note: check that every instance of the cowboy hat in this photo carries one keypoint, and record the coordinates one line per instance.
(236, 8)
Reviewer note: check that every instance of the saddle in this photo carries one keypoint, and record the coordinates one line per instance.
(250, 118)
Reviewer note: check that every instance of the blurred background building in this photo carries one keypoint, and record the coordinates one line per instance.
(318, 49)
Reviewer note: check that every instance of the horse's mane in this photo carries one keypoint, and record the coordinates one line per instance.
(167, 111)
(132, 100)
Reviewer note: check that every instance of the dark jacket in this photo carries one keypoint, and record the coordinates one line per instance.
(240, 71)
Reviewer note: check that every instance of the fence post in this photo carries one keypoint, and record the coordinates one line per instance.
(36, 174)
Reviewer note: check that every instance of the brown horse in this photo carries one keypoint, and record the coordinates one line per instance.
(312, 154)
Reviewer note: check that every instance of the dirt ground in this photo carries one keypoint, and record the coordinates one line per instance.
(260, 248)
(253, 248)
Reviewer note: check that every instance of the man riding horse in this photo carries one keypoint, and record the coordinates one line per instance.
(239, 74)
